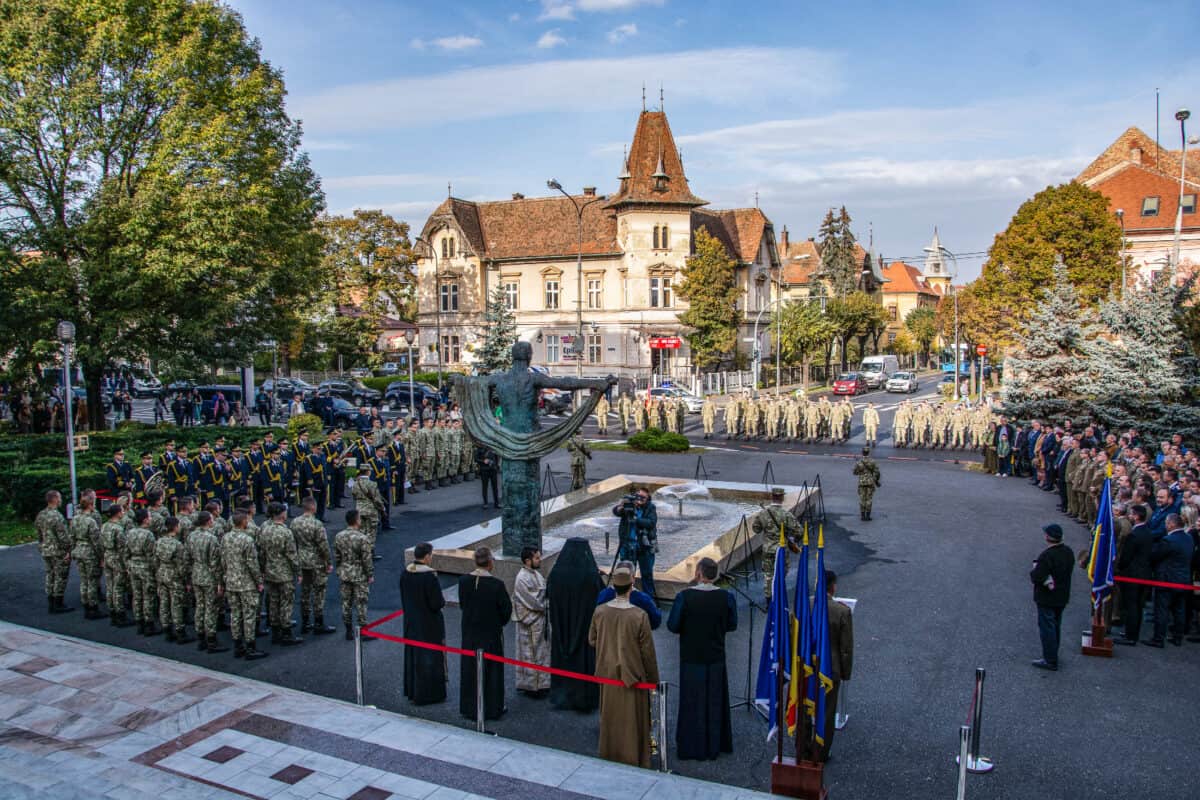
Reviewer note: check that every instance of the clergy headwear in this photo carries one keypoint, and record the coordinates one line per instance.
(622, 577)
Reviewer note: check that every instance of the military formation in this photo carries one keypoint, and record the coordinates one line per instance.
(664, 413)
(785, 418)
(939, 425)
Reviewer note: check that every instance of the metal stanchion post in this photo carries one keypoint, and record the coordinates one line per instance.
(479, 690)
(662, 727)
(976, 762)
(964, 739)
(358, 667)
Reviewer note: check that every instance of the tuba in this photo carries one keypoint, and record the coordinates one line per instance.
(157, 482)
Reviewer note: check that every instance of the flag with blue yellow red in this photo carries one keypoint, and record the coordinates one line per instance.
(822, 681)
(775, 657)
(801, 642)
(1104, 548)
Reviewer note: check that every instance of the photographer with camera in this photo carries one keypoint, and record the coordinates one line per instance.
(638, 535)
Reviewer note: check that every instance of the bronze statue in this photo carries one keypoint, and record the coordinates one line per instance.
(518, 438)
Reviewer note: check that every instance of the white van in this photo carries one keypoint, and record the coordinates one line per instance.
(877, 369)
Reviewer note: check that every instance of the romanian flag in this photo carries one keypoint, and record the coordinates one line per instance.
(776, 644)
(822, 682)
(1104, 548)
(801, 641)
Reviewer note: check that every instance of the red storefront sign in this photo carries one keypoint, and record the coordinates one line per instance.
(666, 343)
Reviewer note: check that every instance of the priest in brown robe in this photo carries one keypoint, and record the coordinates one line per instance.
(620, 632)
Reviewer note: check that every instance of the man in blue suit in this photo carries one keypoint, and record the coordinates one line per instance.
(1164, 506)
(1172, 560)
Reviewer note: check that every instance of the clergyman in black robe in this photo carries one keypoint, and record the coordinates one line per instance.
(486, 609)
(702, 614)
(421, 594)
(571, 592)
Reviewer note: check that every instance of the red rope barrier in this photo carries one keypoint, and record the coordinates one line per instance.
(104, 494)
(368, 630)
(1183, 587)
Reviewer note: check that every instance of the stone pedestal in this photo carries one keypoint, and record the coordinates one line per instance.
(522, 517)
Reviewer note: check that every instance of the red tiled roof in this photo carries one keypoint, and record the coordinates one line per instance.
(530, 227)
(1136, 147)
(1128, 187)
(905, 279)
(741, 230)
(653, 145)
(798, 270)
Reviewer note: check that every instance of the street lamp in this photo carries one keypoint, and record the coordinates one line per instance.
(437, 308)
(409, 335)
(941, 250)
(1121, 219)
(66, 335)
(1181, 115)
(556, 186)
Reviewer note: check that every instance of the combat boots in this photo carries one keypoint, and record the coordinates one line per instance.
(428, 485)
(57, 606)
(252, 653)
(151, 629)
(51, 605)
(181, 636)
(239, 648)
(443, 482)
(456, 479)
(213, 647)
(169, 633)
(275, 634)
(203, 642)
(470, 476)
(319, 627)
(287, 638)
(305, 625)
(349, 633)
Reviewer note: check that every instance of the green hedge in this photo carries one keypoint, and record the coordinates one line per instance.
(656, 440)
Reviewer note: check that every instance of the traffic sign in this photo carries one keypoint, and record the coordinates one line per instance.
(981, 350)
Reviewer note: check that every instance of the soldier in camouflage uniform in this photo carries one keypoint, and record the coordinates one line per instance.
(356, 571)
(466, 452)
(139, 559)
(625, 412)
(243, 582)
(158, 513)
(312, 547)
(580, 455)
(453, 438)
(369, 504)
(186, 515)
(708, 416)
(173, 569)
(54, 542)
(767, 525)
(208, 573)
(412, 450)
(427, 449)
(112, 535)
(868, 481)
(85, 551)
(442, 448)
(281, 567)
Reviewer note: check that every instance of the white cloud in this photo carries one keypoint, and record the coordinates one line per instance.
(622, 32)
(556, 9)
(615, 5)
(321, 145)
(381, 181)
(550, 39)
(458, 42)
(792, 75)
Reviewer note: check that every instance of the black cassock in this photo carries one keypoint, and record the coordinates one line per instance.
(702, 617)
(486, 609)
(424, 670)
(571, 592)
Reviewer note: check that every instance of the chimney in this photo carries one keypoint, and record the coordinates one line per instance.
(589, 191)
(518, 196)
(1135, 155)
(783, 241)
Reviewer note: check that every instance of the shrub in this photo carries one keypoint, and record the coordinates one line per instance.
(380, 383)
(656, 440)
(304, 422)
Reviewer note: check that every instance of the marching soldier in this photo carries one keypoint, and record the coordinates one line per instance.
(428, 456)
(281, 567)
(412, 451)
(119, 474)
(441, 451)
(680, 416)
(243, 582)
(168, 455)
(812, 422)
(730, 418)
(868, 481)
(602, 416)
(792, 416)
(208, 575)
(466, 452)
(139, 559)
(355, 569)
(55, 543)
(368, 504)
(312, 547)
(776, 526)
(870, 424)
(85, 551)
(316, 478)
(178, 476)
(641, 416)
(287, 458)
(625, 411)
(112, 536)
(847, 418)
(900, 424)
(453, 439)
(580, 454)
(708, 415)
(772, 416)
(173, 570)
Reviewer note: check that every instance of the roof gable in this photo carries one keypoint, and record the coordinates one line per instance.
(904, 278)
(654, 153)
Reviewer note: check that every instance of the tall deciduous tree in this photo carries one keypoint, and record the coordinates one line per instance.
(856, 314)
(921, 324)
(805, 330)
(708, 286)
(149, 171)
(837, 252)
(500, 332)
(1071, 221)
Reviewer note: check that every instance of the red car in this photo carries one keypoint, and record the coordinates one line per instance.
(850, 383)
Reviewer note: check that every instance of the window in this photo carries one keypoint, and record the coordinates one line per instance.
(625, 290)
(1189, 204)
(511, 293)
(445, 247)
(666, 238)
(552, 295)
(660, 293)
(593, 293)
(892, 336)
(655, 237)
(595, 348)
(451, 352)
(552, 349)
(892, 314)
(1150, 207)
(449, 297)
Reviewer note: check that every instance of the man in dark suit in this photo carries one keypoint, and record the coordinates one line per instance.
(1050, 446)
(841, 640)
(1051, 578)
(1172, 561)
(1060, 470)
(1134, 562)
(1164, 506)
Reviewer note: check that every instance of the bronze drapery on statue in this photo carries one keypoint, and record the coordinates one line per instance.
(518, 438)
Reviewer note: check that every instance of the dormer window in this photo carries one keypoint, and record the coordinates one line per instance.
(660, 176)
(1150, 207)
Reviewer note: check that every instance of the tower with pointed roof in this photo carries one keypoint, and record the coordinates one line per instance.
(935, 272)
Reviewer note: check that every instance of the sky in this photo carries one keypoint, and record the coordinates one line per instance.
(912, 115)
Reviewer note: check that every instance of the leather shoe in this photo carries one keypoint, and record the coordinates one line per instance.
(1177, 641)
(1194, 638)
(1126, 642)
(1042, 663)
(1154, 643)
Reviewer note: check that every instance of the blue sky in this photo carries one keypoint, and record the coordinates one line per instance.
(910, 114)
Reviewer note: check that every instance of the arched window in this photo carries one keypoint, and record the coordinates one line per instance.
(666, 238)
(445, 247)
(655, 237)
(452, 247)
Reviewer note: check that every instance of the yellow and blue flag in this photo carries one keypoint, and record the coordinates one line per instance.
(1104, 548)
(822, 681)
(776, 646)
(801, 640)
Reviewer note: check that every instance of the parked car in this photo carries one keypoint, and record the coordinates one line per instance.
(693, 403)
(232, 393)
(876, 369)
(344, 412)
(555, 401)
(390, 368)
(902, 382)
(146, 385)
(850, 383)
(396, 395)
(353, 392)
(360, 372)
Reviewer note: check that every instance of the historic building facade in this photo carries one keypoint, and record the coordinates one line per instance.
(634, 245)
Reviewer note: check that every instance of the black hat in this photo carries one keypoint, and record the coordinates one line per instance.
(866, 451)
(1053, 532)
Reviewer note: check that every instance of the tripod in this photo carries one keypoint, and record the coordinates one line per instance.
(747, 699)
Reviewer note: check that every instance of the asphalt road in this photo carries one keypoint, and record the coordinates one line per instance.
(941, 579)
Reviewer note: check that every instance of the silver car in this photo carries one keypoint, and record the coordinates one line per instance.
(902, 382)
(690, 401)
